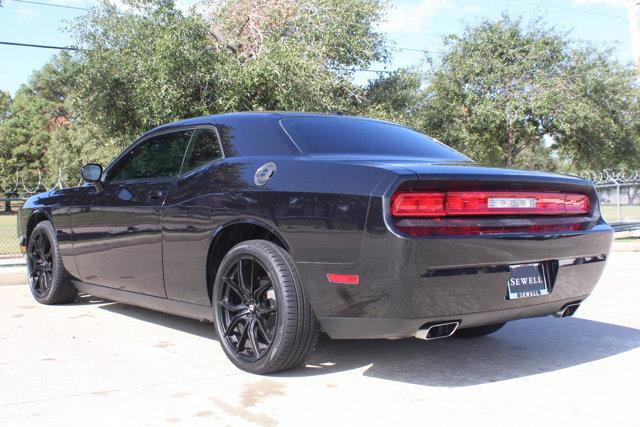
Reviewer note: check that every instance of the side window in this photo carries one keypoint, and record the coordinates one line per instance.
(158, 156)
(204, 148)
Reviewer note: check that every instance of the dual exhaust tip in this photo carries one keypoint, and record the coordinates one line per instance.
(432, 331)
(568, 310)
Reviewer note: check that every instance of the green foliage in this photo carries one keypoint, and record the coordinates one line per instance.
(5, 104)
(599, 125)
(505, 93)
(28, 120)
(73, 145)
(396, 97)
(26, 132)
(141, 68)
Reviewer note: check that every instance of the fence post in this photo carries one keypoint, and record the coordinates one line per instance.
(618, 199)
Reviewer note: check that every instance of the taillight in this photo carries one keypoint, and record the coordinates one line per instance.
(418, 204)
(577, 204)
(481, 203)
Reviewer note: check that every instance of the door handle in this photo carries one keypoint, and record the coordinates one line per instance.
(155, 195)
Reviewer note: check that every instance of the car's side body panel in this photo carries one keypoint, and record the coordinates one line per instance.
(331, 215)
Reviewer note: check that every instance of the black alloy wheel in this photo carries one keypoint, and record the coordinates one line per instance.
(40, 262)
(262, 318)
(249, 308)
(48, 280)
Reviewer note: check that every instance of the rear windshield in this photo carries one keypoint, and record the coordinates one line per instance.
(347, 135)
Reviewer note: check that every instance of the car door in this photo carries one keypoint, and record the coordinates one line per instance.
(186, 220)
(116, 235)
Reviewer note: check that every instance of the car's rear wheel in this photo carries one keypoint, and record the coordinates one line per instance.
(48, 280)
(478, 331)
(262, 319)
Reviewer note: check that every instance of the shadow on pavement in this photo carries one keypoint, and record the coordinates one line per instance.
(179, 323)
(513, 352)
(522, 348)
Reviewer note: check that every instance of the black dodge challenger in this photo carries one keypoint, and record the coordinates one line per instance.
(278, 225)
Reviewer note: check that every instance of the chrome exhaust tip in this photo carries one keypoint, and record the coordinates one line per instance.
(432, 331)
(567, 310)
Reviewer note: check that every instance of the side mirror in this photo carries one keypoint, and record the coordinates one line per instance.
(92, 173)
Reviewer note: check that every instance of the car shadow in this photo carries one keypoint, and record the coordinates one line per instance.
(202, 329)
(522, 348)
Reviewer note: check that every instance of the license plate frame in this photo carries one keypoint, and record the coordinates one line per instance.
(527, 280)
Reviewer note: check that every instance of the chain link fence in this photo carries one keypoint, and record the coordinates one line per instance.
(8, 227)
(13, 193)
(619, 194)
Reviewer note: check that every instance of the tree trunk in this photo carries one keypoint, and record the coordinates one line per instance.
(510, 149)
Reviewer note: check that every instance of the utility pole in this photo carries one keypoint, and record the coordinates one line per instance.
(633, 7)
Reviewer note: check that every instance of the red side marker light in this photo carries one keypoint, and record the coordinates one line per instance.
(344, 279)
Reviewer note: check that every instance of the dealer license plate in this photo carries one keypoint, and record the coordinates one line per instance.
(527, 280)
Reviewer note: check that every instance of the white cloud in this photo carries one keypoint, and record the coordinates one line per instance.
(412, 16)
(607, 3)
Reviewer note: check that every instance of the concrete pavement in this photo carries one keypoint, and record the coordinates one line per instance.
(101, 363)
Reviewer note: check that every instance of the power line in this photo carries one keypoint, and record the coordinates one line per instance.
(413, 49)
(51, 4)
(41, 46)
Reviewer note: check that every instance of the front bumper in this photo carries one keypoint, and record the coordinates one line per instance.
(398, 290)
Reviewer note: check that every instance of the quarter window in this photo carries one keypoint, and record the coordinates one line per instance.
(204, 148)
(158, 156)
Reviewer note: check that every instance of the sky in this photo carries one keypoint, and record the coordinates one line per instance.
(409, 24)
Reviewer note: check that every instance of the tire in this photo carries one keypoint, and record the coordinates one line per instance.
(478, 331)
(48, 280)
(265, 325)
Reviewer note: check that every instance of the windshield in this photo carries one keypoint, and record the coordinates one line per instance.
(348, 135)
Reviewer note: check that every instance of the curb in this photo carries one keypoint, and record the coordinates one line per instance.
(13, 275)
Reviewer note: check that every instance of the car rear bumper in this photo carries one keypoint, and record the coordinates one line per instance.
(405, 283)
(375, 328)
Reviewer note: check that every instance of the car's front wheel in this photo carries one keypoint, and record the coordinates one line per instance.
(48, 280)
(262, 319)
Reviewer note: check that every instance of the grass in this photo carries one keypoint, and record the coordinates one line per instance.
(610, 212)
(8, 235)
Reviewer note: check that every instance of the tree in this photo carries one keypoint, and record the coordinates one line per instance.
(396, 97)
(6, 174)
(154, 64)
(599, 124)
(37, 109)
(510, 94)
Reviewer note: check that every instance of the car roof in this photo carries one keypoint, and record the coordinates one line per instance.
(249, 116)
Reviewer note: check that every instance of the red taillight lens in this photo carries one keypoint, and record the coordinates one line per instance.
(481, 203)
(577, 204)
(504, 203)
(418, 204)
(344, 279)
